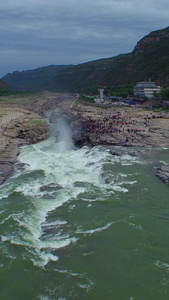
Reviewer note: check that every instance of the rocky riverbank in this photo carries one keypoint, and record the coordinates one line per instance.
(27, 129)
(22, 122)
(163, 173)
(117, 126)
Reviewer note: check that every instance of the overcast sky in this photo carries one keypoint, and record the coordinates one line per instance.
(36, 33)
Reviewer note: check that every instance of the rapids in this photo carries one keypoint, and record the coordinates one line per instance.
(84, 224)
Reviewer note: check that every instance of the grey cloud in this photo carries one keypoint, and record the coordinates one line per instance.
(39, 32)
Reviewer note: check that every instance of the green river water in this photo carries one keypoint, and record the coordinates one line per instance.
(84, 224)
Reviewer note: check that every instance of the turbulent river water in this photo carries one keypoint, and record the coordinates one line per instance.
(84, 224)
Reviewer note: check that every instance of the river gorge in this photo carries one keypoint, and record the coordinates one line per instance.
(87, 222)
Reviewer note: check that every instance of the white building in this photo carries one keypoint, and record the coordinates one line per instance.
(146, 88)
(101, 94)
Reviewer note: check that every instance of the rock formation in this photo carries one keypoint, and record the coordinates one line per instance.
(24, 124)
(163, 173)
(117, 126)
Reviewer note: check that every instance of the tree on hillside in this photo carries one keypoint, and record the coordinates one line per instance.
(119, 91)
(165, 93)
(156, 95)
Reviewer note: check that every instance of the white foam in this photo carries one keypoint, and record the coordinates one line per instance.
(6, 219)
(123, 175)
(130, 182)
(71, 207)
(55, 223)
(60, 242)
(91, 231)
(17, 217)
(6, 189)
(129, 157)
(84, 286)
(87, 283)
(118, 188)
(45, 259)
(161, 265)
(4, 238)
(64, 169)
(41, 250)
(125, 163)
(163, 162)
(136, 226)
(46, 298)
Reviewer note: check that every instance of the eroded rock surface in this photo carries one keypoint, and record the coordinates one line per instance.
(163, 173)
(22, 122)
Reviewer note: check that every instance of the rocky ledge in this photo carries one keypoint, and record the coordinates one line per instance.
(129, 127)
(93, 125)
(163, 173)
(22, 123)
(28, 129)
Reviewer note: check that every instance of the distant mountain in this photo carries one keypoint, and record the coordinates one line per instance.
(33, 80)
(148, 60)
(88, 75)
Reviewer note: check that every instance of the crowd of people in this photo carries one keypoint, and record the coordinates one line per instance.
(109, 124)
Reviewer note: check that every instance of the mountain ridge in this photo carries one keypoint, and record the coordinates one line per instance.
(148, 60)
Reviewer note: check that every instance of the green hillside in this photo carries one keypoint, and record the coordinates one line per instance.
(33, 80)
(149, 60)
(87, 75)
(4, 89)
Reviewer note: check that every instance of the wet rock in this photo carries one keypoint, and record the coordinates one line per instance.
(50, 187)
(121, 152)
(164, 168)
(163, 173)
(28, 128)
(2, 179)
(115, 153)
(20, 166)
(134, 153)
(7, 170)
(48, 230)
